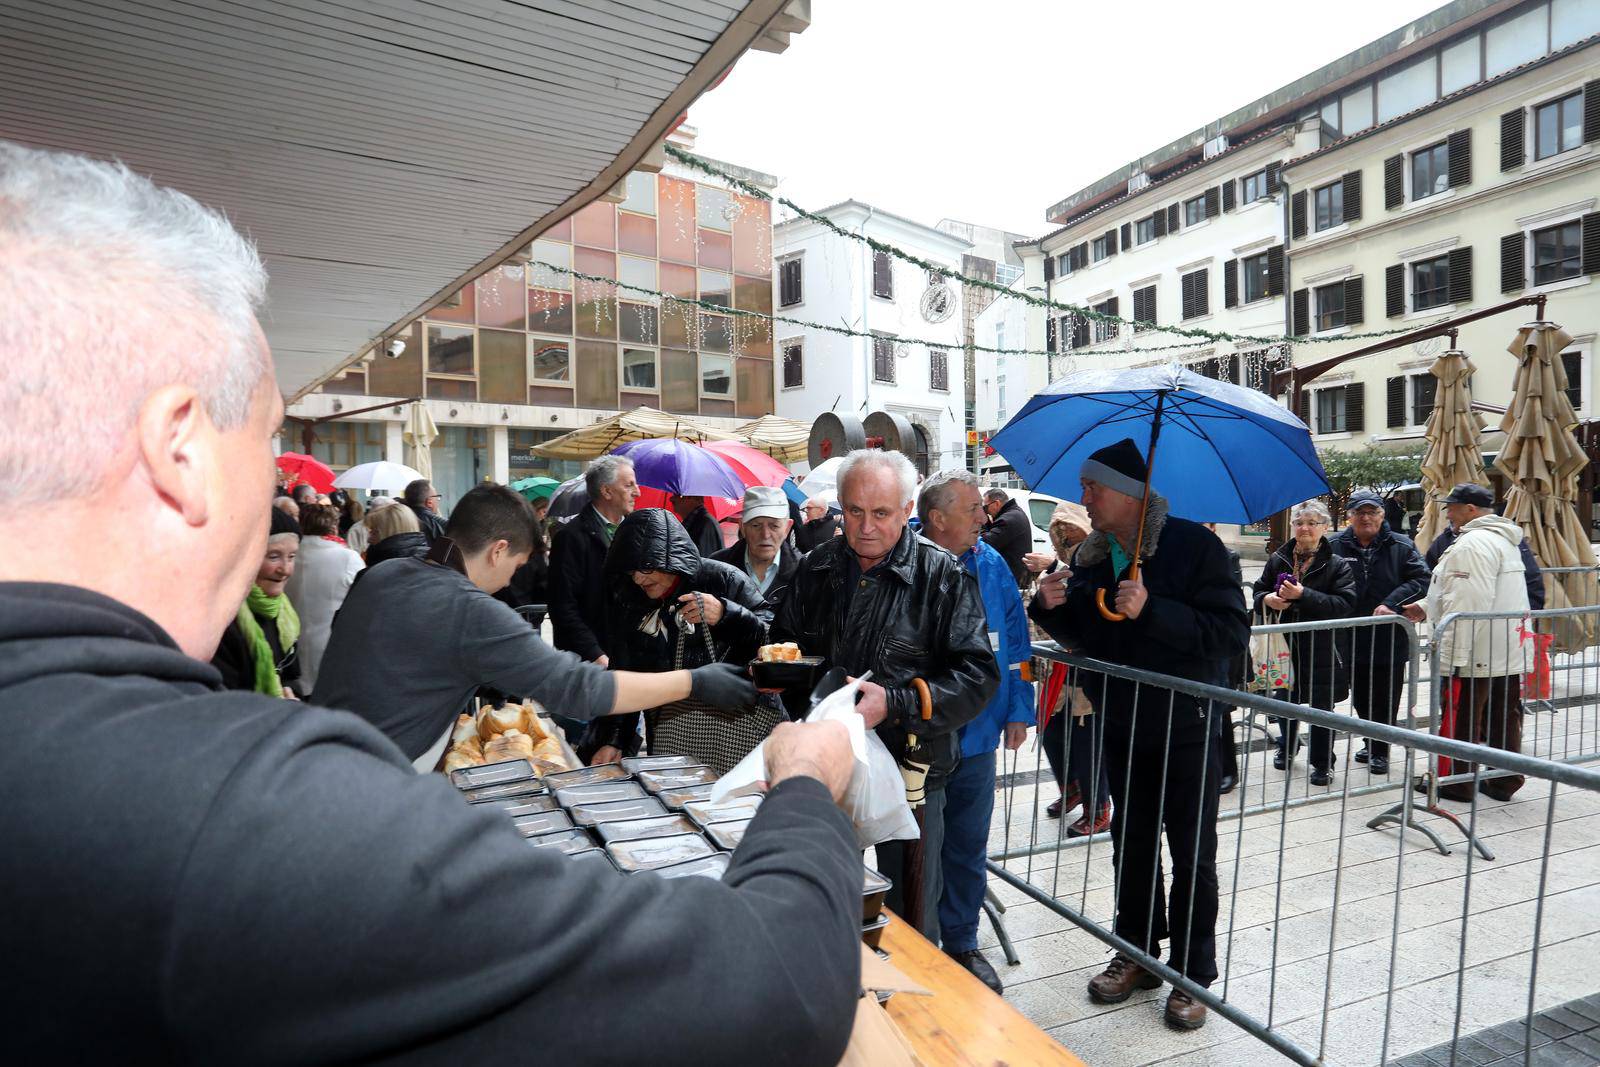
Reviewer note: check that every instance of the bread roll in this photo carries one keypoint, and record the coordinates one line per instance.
(513, 744)
(492, 721)
(466, 726)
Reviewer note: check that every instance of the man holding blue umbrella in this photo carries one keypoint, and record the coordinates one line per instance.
(1181, 613)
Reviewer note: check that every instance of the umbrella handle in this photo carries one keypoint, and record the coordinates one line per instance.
(1100, 597)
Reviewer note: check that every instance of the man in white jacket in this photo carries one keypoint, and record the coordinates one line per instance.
(1483, 572)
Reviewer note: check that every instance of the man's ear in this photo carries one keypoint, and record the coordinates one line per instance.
(175, 445)
(499, 551)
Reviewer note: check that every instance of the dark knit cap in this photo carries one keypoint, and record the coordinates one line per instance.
(282, 523)
(1119, 466)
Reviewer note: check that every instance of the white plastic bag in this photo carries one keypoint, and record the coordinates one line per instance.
(875, 800)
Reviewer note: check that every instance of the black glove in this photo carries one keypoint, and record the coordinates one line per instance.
(722, 685)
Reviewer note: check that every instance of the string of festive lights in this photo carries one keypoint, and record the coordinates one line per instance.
(1204, 337)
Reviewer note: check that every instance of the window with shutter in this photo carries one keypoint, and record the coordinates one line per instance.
(1195, 296)
(1273, 180)
(1144, 308)
(1430, 170)
(1274, 271)
(794, 374)
(1353, 306)
(1329, 301)
(1127, 235)
(1105, 330)
(1158, 221)
(1460, 151)
(1557, 253)
(1227, 196)
(1213, 202)
(1513, 264)
(1591, 244)
(1230, 283)
(882, 276)
(1352, 197)
(1394, 190)
(1395, 402)
(1302, 312)
(1512, 136)
(883, 359)
(1461, 276)
(1080, 331)
(1305, 407)
(1332, 413)
(1297, 215)
(1355, 407)
(1430, 283)
(791, 290)
(1591, 111)
(1572, 364)
(1394, 290)
(1194, 211)
(1049, 268)
(1050, 334)
(1110, 239)
(1172, 218)
(1424, 388)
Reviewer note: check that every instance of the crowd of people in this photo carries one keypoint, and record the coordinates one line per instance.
(254, 688)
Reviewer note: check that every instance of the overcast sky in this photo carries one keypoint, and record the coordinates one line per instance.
(991, 112)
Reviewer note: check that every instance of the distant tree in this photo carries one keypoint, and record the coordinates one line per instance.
(1381, 470)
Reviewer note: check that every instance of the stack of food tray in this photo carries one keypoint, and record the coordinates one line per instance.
(648, 813)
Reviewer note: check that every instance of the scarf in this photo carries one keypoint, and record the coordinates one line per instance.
(283, 614)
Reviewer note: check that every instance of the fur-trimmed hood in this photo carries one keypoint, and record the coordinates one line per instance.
(1098, 545)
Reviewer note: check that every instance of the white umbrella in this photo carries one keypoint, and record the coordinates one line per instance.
(382, 475)
(824, 480)
(419, 434)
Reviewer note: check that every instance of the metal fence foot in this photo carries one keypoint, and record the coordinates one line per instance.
(992, 908)
(1450, 816)
(1396, 815)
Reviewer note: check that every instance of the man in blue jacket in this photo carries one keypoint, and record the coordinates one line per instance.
(952, 517)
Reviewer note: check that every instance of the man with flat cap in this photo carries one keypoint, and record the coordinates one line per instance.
(763, 550)
(1483, 570)
(1482, 501)
(1184, 615)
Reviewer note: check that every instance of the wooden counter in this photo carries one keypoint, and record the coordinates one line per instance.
(963, 1024)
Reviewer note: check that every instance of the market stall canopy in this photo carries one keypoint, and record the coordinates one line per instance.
(640, 424)
(1454, 452)
(1542, 459)
(783, 439)
(380, 154)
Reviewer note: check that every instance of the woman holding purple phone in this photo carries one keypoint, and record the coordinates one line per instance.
(1304, 581)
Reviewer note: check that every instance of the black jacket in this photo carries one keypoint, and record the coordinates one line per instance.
(808, 535)
(918, 614)
(235, 660)
(653, 539)
(1328, 591)
(432, 525)
(1530, 566)
(788, 560)
(1010, 533)
(1396, 578)
(577, 590)
(704, 531)
(1193, 623)
(249, 880)
(396, 546)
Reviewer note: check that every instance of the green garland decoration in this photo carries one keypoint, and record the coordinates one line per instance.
(845, 331)
(1204, 336)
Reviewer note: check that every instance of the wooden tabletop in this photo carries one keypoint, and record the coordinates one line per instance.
(963, 1024)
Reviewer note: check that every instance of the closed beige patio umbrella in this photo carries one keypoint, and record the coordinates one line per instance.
(785, 440)
(1541, 458)
(419, 436)
(1454, 454)
(641, 424)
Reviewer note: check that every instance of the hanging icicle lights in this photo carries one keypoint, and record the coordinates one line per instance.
(1202, 337)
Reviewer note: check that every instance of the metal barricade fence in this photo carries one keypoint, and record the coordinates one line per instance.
(1285, 867)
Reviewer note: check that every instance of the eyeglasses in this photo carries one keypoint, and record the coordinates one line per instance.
(436, 496)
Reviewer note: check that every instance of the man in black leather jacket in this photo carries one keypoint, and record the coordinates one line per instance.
(884, 600)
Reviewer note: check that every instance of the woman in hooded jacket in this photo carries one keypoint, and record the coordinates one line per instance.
(1305, 581)
(668, 608)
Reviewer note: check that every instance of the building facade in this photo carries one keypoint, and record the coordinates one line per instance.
(1467, 176)
(525, 353)
(830, 280)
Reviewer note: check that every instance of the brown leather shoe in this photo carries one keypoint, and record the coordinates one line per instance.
(1118, 981)
(1184, 1012)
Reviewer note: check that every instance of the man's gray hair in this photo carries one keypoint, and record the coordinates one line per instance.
(1315, 508)
(602, 471)
(113, 287)
(894, 462)
(996, 493)
(937, 490)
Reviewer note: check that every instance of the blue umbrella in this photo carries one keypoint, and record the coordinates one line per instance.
(675, 466)
(1229, 454)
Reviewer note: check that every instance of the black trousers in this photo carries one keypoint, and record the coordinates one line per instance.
(1375, 688)
(1079, 760)
(1154, 789)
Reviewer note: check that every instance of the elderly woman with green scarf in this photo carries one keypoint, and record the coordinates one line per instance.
(257, 651)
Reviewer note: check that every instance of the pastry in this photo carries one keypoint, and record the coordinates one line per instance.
(466, 726)
(785, 652)
(458, 758)
(492, 721)
(513, 744)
